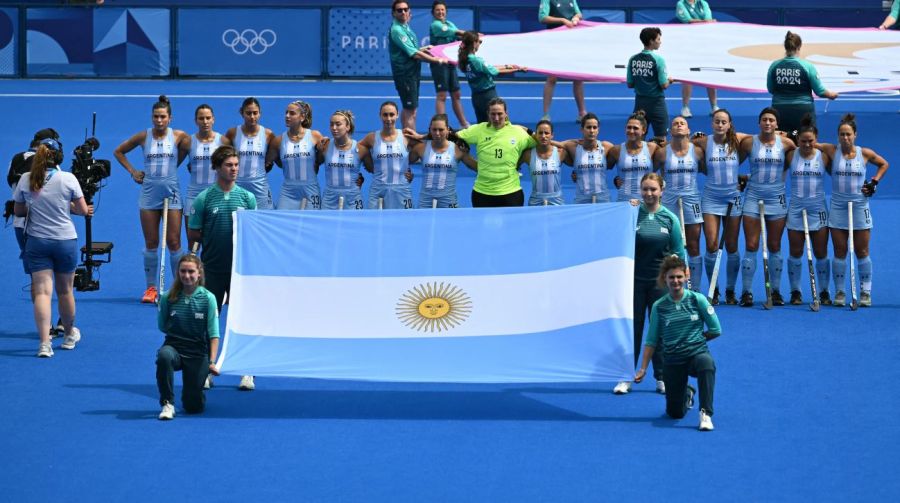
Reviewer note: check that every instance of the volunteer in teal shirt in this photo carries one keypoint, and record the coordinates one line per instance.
(891, 18)
(405, 54)
(791, 81)
(646, 74)
(480, 74)
(691, 12)
(443, 31)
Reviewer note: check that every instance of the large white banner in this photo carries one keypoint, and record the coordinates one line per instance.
(722, 55)
(540, 294)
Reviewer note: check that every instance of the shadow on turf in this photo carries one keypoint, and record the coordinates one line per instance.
(229, 403)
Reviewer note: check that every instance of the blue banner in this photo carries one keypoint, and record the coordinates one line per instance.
(358, 39)
(545, 297)
(98, 42)
(250, 42)
(9, 41)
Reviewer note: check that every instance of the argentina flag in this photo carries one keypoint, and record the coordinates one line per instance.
(505, 295)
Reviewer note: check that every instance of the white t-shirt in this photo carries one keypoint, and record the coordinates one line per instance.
(48, 209)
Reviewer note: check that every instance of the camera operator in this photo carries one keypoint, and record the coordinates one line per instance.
(46, 196)
(18, 166)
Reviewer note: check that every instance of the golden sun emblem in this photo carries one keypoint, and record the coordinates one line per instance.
(433, 307)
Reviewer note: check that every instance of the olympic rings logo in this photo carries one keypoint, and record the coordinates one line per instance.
(248, 40)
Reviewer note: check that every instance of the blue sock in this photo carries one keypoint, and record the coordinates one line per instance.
(732, 267)
(174, 257)
(795, 269)
(823, 273)
(710, 262)
(839, 271)
(694, 264)
(151, 267)
(748, 269)
(776, 266)
(865, 274)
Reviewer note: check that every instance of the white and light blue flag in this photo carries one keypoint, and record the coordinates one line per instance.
(535, 294)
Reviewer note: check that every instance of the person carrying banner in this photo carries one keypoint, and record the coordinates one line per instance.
(555, 14)
(676, 328)
(646, 74)
(694, 11)
(480, 74)
(443, 31)
(891, 19)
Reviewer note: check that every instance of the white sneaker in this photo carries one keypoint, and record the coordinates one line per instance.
(622, 388)
(714, 109)
(840, 299)
(247, 383)
(45, 350)
(705, 421)
(71, 339)
(661, 387)
(167, 412)
(686, 112)
(208, 383)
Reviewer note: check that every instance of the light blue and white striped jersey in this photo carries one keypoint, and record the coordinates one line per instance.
(341, 166)
(631, 169)
(298, 159)
(807, 176)
(722, 167)
(160, 155)
(252, 151)
(591, 169)
(681, 172)
(848, 176)
(766, 162)
(545, 177)
(439, 169)
(202, 172)
(391, 160)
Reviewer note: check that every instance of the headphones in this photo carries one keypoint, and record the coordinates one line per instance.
(55, 148)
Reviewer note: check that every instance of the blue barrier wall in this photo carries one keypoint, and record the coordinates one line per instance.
(341, 39)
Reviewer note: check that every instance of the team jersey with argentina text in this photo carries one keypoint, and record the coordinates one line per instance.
(189, 322)
(847, 177)
(590, 166)
(722, 166)
(767, 166)
(545, 177)
(681, 172)
(631, 169)
(160, 155)
(202, 172)
(252, 151)
(341, 166)
(646, 72)
(807, 176)
(298, 159)
(212, 215)
(391, 159)
(439, 168)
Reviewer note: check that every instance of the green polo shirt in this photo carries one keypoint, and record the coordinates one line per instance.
(402, 44)
(646, 72)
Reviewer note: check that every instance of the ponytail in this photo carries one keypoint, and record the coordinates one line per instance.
(466, 47)
(42, 158)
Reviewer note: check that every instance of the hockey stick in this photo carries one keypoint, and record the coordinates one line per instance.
(851, 254)
(715, 274)
(684, 238)
(809, 263)
(765, 253)
(162, 253)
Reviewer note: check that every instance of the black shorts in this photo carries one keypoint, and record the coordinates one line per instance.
(408, 88)
(789, 116)
(445, 78)
(480, 200)
(655, 111)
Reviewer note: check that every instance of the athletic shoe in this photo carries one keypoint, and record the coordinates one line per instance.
(545, 117)
(579, 119)
(796, 298)
(247, 383)
(71, 339)
(730, 299)
(705, 421)
(714, 109)
(167, 412)
(840, 299)
(690, 398)
(661, 387)
(825, 298)
(622, 388)
(151, 296)
(45, 350)
(746, 299)
(715, 298)
(777, 299)
(865, 299)
(686, 112)
(208, 383)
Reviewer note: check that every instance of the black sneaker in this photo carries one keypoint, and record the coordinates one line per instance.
(796, 298)
(777, 299)
(715, 298)
(825, 298)
(730, 299)
(746, 299)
